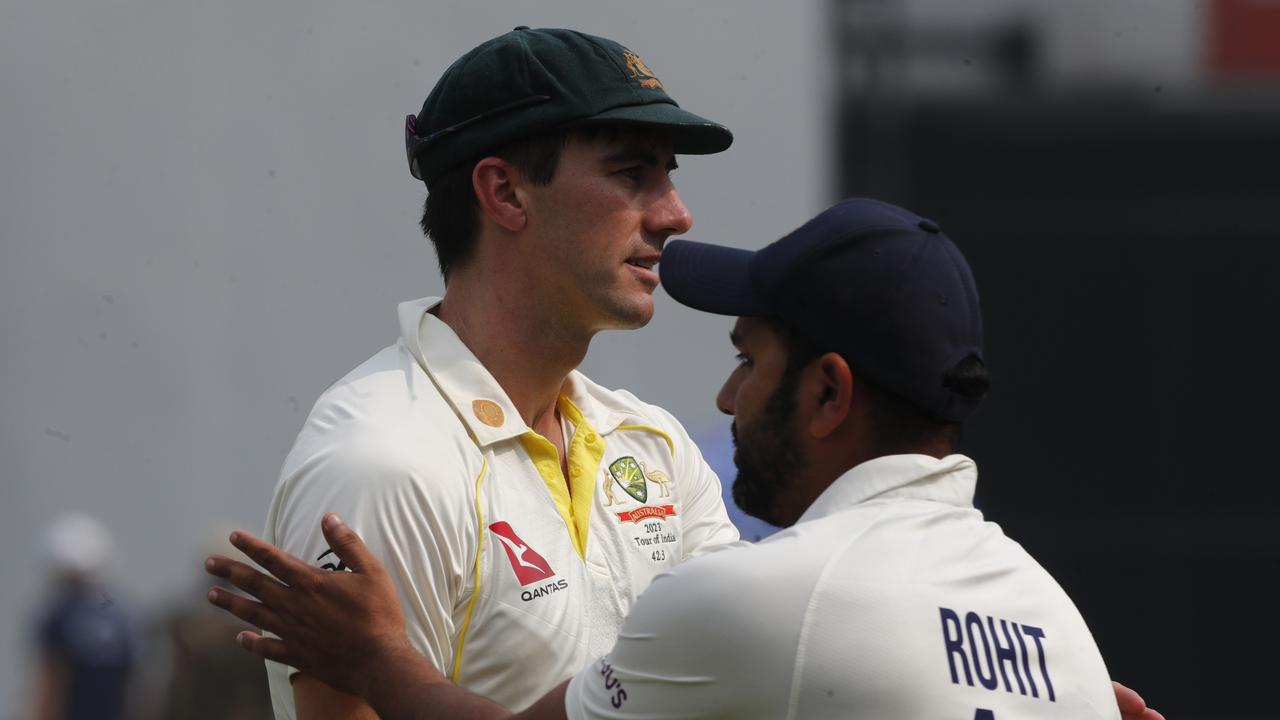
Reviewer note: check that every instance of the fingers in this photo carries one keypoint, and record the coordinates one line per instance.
(1130, 702)
(265, 647)
(264, 587)
(348, 546)
(278, 562)
(254, 613)
(1132, 706)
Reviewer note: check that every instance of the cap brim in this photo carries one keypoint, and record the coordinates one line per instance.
(690, 134)
(711, 278)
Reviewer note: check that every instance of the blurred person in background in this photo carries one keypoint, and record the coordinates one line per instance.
(85, 641)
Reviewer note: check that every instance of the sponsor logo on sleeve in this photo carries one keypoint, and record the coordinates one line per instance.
(612, 685)
(335, 564)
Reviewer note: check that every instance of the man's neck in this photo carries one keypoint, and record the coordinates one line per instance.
(524, 346)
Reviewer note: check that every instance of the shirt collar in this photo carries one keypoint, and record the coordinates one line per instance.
(949, 480)
(475, 395)
(602, 409)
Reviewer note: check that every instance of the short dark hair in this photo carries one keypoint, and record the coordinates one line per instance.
(450, 213)
(900, 425)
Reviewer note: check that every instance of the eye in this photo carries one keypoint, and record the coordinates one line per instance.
(635, 173)
(743, 360)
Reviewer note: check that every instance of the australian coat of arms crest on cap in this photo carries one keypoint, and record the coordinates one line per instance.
(641, 72)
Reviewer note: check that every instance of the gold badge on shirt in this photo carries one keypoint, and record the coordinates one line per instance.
(488, 412)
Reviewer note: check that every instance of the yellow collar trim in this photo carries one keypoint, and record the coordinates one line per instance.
(573, 499)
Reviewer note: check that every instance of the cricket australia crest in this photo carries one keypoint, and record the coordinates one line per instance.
(630, 477)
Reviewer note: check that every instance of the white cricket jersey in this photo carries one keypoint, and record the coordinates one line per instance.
(511, 578)
(890, 598)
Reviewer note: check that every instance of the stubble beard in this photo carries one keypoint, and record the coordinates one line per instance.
(631, 315)
(625, 310)
(768, 456)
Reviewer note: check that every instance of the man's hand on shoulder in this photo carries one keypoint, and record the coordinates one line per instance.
(338, 627)
(345, 630)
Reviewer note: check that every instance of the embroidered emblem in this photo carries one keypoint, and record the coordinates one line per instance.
(629, 476)
(488, 412)
(641, 72)
(609, 499)
(658, 512)
(659, 478)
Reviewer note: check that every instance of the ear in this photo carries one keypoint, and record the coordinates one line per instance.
(834, 384)
(498, 189)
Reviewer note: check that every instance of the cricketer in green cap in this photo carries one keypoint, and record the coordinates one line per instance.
(527, 82)
(471, 453)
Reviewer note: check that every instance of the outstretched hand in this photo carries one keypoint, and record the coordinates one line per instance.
(339, 627)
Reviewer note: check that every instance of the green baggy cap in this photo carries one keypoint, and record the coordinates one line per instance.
(527, 82)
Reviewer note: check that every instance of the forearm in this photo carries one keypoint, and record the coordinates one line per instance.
(407, 687)
(313, 700)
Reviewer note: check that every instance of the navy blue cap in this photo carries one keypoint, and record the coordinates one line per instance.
(878, 284)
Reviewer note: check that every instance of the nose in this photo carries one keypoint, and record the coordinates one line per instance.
(727, 398)
(668, 216)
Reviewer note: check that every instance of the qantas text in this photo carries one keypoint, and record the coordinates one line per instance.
(542, 590)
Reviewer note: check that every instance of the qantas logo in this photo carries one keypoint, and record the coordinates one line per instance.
(529, 566)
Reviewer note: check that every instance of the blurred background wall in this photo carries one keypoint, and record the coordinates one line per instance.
(205, 218)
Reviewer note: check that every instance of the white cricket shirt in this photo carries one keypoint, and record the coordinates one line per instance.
(511, 577)
(890, 598)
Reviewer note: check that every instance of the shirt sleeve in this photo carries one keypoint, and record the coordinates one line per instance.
(706, 524)
(416, 518)
(699, 642)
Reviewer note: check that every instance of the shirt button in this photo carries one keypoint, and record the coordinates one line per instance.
(574, 470)
(591, 438)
